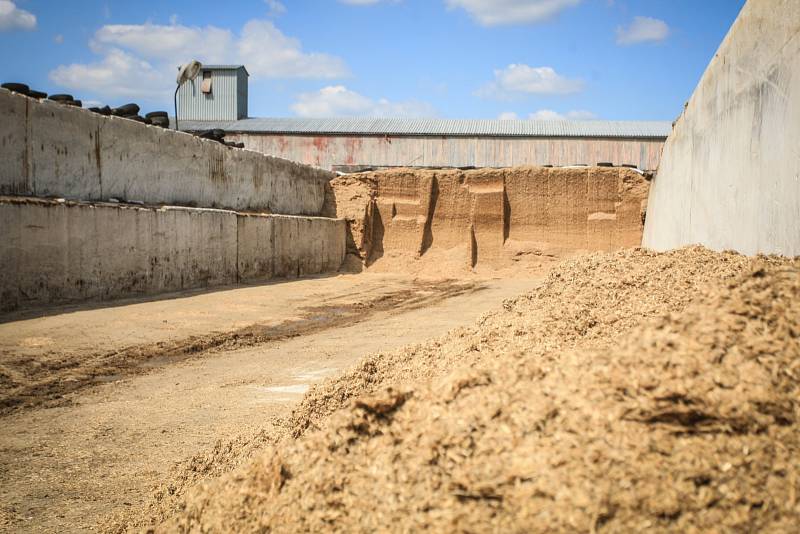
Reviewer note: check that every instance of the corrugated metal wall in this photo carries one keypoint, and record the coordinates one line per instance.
(241, 95)
(379, 151)
(221, 104)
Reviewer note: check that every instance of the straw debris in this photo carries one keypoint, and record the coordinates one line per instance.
(631, 391)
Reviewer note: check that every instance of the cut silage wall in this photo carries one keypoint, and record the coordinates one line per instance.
(490, 215)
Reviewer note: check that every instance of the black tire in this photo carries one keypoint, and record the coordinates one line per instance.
(215, 135)
(629, 166)
(160, 121)
(239, 145)
(126, 110)
(16, 87)
(94, 110)
(76, 103)
(136, 118)
(105, 110)
(37, 94)
(154, 114)
(605, 164)
(61, 98)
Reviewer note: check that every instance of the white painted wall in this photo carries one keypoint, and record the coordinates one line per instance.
(729, 177)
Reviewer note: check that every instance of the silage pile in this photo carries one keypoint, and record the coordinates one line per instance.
(631, 391)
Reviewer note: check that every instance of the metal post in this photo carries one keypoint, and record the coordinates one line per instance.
(176, 107)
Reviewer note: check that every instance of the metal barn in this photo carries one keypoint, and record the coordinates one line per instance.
(218, 99)
(219, 93)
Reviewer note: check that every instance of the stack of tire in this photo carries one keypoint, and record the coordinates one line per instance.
(219, 136)
(213, 135)
(158, 118)
(105, 110)
(131, 112)
(66, 100)
(128, 111)
(23, 89)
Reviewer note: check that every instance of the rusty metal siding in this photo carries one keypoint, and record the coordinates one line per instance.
(452, 127)
(327, 151)
(221, 104)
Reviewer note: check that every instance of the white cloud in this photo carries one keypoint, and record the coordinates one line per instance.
(14, 18)
(339, 101)
(498, 12)
(581, 115)
(275, 7)
(119, 74)
(139, 60)
(641, 30)
(58, 39)
(546, 115)
(175, 43)
(550, 115)
(268, 53)
(520, 79)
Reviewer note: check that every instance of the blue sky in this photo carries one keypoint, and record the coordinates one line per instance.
(581, 59)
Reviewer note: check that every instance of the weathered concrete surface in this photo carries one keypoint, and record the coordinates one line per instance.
(283, 246)
(54, 252)
(51, 150)
(730, 173)
(13, 145)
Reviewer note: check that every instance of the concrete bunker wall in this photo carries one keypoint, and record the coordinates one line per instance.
(51, 150)
(729, 176)
(486, 216)
(56, 252)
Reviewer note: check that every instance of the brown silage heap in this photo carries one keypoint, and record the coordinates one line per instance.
(452, 221)
(631, 391)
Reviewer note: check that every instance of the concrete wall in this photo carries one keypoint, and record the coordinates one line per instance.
(54, 252)
(327, 151)
(730, 173)
(50, 150)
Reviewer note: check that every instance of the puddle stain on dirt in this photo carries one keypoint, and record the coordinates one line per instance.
(27, 382)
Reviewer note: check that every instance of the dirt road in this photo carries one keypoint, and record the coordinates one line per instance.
(103, 405)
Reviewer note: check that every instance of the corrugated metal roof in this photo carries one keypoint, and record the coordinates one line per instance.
(225, 67)
(450, 127)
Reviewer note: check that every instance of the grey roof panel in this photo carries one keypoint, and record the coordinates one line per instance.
(225, 67)
(450, 127)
